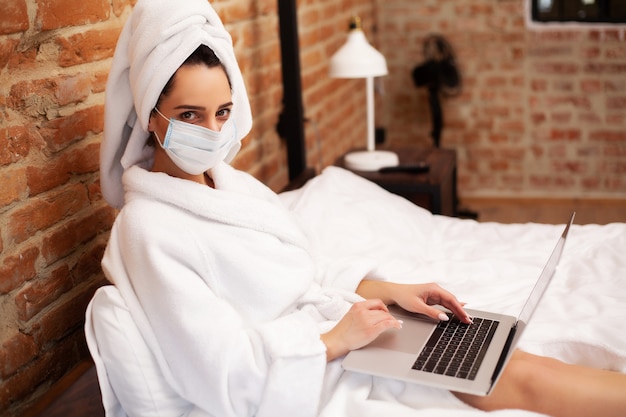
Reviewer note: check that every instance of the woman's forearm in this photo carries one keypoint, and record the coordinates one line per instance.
(370, 289)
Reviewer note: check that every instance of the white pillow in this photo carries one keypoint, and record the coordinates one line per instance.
(130, 379)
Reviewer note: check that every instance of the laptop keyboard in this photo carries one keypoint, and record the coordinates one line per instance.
(456, 349)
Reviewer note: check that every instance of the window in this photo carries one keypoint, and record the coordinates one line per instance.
(583, 11)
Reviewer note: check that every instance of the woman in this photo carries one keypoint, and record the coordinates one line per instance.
(219, 278)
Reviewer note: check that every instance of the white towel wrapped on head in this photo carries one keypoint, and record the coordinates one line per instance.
(157, 38)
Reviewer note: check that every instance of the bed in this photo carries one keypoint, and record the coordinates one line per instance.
(488, 265)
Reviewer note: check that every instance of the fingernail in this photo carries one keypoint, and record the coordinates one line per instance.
(401, 323)
(470, 319)
(443, 317)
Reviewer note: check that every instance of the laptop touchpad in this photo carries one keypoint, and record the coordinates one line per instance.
(410, 339)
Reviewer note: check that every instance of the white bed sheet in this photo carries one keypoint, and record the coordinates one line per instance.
(488, 265)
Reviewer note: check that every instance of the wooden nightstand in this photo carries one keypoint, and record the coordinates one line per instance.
(434, 190)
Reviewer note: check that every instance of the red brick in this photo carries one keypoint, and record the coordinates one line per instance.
(538, 118)
(541, 181)
(84, 159)
(617, 86)
(554, 68)
(512, 126)
(7, 50)
(499, 165)
(608, 136)
(555, 35)
(16, 351)
(514, 182)
(72, 89)
(498, 138)
(54, 14)
(616, 52)
(564, 182)
(36, 97)
(87, 47)
(565, 134)
(43, 178)
(94, 190)
(236, 11)
(593, 52)
(98, 82)
(575, 101)
(561, 118)
(47, 366)
(549, 51)
(23, 59)
(38, 214)
(63, 131)
(13, 185)
(537, 151)
(575, 167)
(39, 293)
(598, 68)
(17, 269)
(14, 17)
(16, 142)
(590, 183)
(589, 118)
(616, 119)
(120, 5)
(563, 85)
(62, 317)
(66, 238)
(615, 184)
(585, 152)
(58, 170)
(32, 98)
(614, 167)
(616, 103)
(557, 151)
(88, 265)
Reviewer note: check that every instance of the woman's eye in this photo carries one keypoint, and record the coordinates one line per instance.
(188, 116)
(223, 113)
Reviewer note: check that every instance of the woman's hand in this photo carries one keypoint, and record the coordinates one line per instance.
(417, 298)
(361, 324)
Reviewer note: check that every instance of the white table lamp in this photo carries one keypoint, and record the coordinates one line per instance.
(358, 59)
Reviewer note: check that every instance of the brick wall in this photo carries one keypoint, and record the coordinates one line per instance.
(53, 221)
(542, 113)
(54, 224)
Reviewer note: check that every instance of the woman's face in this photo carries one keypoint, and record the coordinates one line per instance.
(200, 95)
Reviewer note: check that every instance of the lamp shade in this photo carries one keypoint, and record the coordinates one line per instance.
(357, 58)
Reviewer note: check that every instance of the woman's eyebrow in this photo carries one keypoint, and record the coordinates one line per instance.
(192, 107)
(189, 106)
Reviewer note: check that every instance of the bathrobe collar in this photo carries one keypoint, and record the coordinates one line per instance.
(238, 199)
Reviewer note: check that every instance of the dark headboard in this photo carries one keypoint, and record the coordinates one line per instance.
(291, 120)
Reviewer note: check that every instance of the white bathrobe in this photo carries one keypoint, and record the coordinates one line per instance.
(225, 290)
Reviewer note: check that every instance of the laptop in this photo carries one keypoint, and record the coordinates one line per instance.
(476, 354)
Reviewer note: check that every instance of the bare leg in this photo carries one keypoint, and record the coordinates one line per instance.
(552, 387)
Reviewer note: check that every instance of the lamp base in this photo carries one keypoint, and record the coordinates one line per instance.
(370, 160)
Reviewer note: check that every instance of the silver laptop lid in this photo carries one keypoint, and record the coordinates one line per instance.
(535, 295)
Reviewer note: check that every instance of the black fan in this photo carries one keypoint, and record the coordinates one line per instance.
(440, 75)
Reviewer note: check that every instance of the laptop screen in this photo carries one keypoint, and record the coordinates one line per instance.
(544, 279)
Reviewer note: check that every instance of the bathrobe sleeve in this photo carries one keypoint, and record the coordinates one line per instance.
(343, 272)
(214, 357)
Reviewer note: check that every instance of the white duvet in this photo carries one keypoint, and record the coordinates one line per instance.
(581, 319)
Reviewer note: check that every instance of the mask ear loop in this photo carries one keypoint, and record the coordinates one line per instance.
(169, 126)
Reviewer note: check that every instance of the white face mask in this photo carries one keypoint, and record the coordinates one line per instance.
(195, 149)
